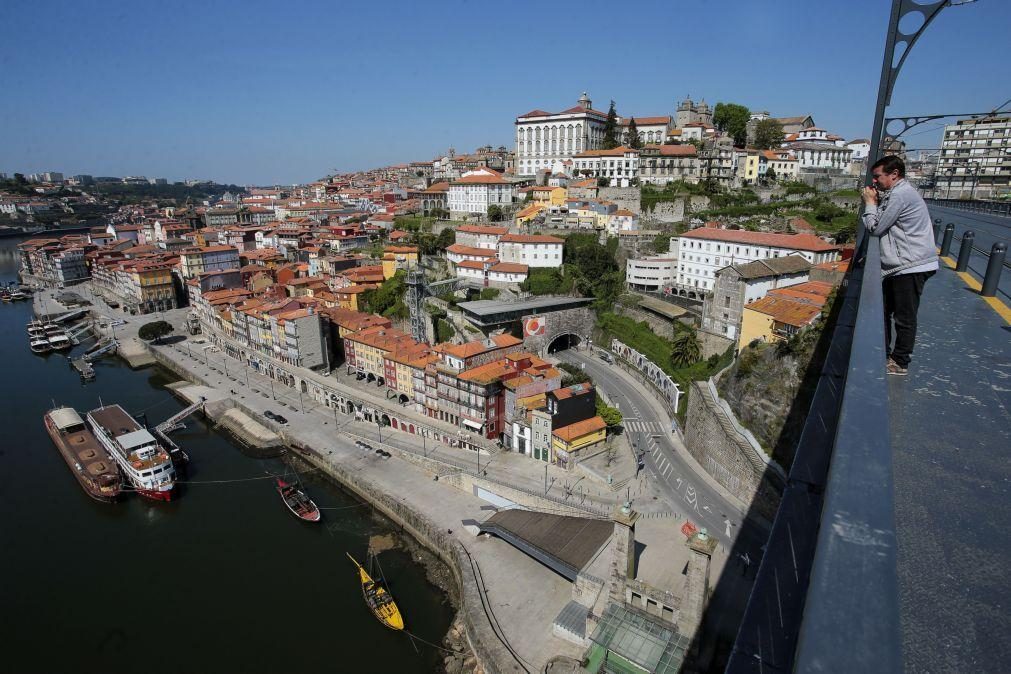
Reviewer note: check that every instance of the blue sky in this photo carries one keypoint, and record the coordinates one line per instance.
(256, 93)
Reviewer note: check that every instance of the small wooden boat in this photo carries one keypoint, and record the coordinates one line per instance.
(379, 600)
(298, 503)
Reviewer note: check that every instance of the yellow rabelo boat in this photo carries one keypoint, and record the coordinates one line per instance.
(379, 600)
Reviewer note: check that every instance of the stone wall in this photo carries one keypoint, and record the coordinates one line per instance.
(679, 210)
(624, 197)
(713, 344)
(727, 455)
(661, 326)
(575, 321)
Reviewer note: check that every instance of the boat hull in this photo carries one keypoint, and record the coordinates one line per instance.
(91, 489)
(379, 601)
(156, 495)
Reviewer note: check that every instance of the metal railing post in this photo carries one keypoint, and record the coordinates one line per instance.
(949, 234)
(993, 269)
(965, 250)
(937, 230)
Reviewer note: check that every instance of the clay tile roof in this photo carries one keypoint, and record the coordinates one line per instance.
(473, 264)
(459, 249)
(570, 391)
(504, 340)
(530, 238)
(579, 429)
(510, 268)
(795, 241)
(483, 229)
(536, 113)
(647, 121)
(839, 265)
(482, 178)
(437, 188)
(785, 310)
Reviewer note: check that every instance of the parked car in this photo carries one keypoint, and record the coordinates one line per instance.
(606, 357)
(270, 415)
(281, 420)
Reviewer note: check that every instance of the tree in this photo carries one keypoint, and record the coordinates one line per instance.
(611, 129)
(732, 119)
(495, 213)
(770, 174)
(768, 134)
(661, 243)
(610, 415)
(686, 349)
(634, 141)
(446, 238)
(603, 182)
(154, 331)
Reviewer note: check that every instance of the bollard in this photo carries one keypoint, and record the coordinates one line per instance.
(965, 250)
(993, 269)
(937, 230)
(949, 233)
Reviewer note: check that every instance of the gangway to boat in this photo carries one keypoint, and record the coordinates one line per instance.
(100, 349)
(176, 420)
(69, 316)
(78, 331)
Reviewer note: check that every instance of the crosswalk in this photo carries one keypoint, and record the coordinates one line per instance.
(637, 426)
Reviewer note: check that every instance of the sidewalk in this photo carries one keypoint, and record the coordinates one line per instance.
(950, 435)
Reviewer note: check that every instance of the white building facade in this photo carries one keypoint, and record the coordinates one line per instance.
(703, 252)
(651, 273)
(544, 139)
(532, 250)
(478, 190)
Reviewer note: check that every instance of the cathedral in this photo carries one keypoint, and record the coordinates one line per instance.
(689, 112)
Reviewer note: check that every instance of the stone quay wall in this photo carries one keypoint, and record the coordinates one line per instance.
(727, 455)
(491, 651)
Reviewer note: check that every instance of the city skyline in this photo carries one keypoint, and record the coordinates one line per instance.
(186, 93)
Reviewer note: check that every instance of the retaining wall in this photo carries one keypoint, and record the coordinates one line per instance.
(727, 455)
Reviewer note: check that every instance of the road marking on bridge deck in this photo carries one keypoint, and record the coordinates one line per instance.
(1002, 309)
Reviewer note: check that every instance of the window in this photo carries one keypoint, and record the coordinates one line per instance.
(726, 301)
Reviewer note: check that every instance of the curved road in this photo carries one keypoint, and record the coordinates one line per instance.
(666, 458)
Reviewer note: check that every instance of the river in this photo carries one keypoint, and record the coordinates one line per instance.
(223, 579)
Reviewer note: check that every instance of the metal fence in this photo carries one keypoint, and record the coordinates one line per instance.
(1002, 208)
(825, 596)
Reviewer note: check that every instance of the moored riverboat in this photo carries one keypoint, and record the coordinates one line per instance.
(379, 601)
(300, 505)
(145, 464)
(90, 463)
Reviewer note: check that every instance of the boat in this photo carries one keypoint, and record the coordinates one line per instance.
(145, 464)
(40, 345)
(298, 503)
(58, 341)
(379, 601)
(17, 295)
(35, 329)
(90, 463)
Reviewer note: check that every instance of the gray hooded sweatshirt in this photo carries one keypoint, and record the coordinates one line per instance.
(902, 224)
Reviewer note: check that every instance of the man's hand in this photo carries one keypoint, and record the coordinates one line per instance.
(870, 196)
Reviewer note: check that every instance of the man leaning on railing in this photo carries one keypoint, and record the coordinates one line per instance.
(896, 213)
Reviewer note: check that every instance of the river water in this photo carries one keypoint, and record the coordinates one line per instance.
(223, 579)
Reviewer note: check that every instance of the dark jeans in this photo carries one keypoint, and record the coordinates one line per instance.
(902, 301)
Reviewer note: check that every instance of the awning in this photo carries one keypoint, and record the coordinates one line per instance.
(472, 424)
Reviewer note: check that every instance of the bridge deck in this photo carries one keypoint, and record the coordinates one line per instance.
(951, 436)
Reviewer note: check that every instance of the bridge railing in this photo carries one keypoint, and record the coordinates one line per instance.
(1002, 208)
(825, 596)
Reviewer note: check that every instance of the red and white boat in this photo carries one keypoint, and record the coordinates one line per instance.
(300, 505)
(146, 466)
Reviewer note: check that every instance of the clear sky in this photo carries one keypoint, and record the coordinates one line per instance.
(255, 93)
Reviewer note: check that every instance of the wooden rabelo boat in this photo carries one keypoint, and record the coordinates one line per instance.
(300, 505)
(379, 600)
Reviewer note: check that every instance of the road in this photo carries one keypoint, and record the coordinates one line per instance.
(666, 459)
